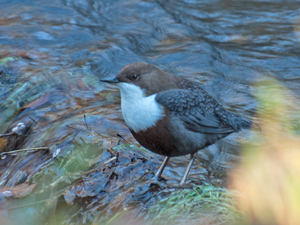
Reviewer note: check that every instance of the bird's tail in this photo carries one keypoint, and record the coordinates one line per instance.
(238, 122)
(250, 124)
(245, 123)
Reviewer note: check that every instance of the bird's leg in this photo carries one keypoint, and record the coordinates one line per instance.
(193, 157)
(161, 168)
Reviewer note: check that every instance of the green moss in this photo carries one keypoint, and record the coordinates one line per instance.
(5, 60)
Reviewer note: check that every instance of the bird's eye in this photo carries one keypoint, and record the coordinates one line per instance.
(134, 77)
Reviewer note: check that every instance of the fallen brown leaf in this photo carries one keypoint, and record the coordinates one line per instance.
(19, 191)
(38, 102)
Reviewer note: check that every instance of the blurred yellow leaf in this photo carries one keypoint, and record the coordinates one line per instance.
(269, 177)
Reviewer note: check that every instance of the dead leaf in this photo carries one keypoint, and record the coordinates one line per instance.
(81, 85)
(38, 102)
(3, 144)
(19, 191)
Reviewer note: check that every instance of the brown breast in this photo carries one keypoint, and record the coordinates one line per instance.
(158, 138)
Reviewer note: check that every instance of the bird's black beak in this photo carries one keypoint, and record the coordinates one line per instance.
(110, 80)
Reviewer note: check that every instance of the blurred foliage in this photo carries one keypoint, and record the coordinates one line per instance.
(269, 177)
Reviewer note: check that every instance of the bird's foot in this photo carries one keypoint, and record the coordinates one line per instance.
(157, 179)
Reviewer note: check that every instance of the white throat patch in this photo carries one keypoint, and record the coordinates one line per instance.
(139, 112)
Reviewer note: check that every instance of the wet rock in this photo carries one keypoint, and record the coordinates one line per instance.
(70, 195)
(115, 184)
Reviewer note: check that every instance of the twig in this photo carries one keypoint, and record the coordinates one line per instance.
(110, 160)
(32, 119)
(25, 149)
(29, 204)
(8, 134)
(70, 126)
(111, 151)
(86, 125)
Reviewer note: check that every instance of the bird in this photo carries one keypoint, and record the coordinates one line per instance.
(170, 115)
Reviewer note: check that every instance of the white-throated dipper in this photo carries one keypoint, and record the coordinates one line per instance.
(171, 115)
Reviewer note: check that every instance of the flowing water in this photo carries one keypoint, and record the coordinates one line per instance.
(53, 54)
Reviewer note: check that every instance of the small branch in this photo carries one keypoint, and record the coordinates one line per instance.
(70, 126)
(8, 134)
(110, 160)
(32, 120)
(25, 149)
(86, 125)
